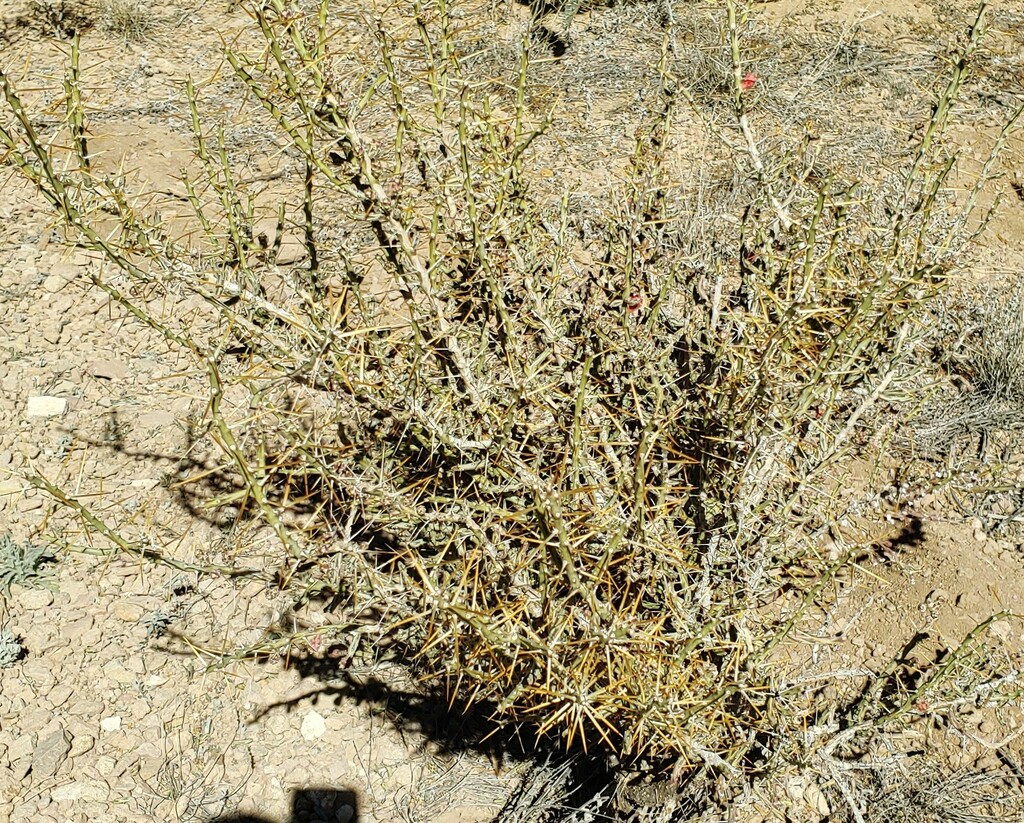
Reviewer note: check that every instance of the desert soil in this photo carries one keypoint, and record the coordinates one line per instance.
(109, 715)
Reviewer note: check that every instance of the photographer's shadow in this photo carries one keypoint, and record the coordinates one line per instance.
(309, 806)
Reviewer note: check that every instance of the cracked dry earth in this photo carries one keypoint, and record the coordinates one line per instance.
(101, 720)
(105, 717)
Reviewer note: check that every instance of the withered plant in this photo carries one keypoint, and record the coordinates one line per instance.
(583, 482)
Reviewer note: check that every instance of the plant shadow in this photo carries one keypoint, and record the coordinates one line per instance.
(431, 722)
(313, 805)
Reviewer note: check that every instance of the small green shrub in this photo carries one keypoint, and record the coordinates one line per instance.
(11, 650)
(23, 564)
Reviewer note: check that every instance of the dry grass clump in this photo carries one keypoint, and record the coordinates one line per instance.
(131, 20)
(928, 792)
(979, 340)
(996, 357)
(970, 428)
(581, 482)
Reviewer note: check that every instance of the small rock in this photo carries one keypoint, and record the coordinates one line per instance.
(67, 793)
(313, 726)
(46, 406)
(146, 483)
(110, 724)
(76, 629)
(118, 673)
(141, 709)
(128, 612)
(39, 673)
(36, 717)
(338, 768)
(35, 599)
(21, 748)
(59, 695)
(12, 706)
(95, 792)
(50, 753)
(136, 665)
(125, 762)
(61, 304)
(20, 768)
(108, 369)
(54, 283)
(978, 530)
(337, 722)
(81, 744)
